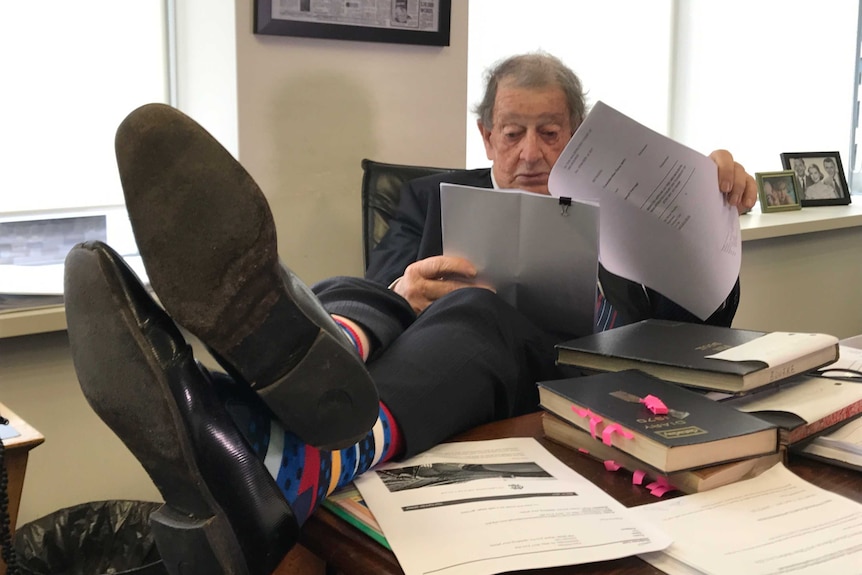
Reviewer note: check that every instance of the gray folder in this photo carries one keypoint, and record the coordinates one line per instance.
(540, 252)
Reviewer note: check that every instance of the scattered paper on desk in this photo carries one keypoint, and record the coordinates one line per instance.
(848, 358)
(8, 432)
(485, 507)
(663, 221)
(773, 523)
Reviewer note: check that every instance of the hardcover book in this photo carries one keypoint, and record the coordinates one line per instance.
(688, 481)
(841, 447)
(804, 406)
(693, 432)
(699, 355)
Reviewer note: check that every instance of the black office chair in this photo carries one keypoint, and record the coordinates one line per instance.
(381, 191)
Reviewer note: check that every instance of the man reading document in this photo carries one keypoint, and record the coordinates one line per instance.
(320, 384)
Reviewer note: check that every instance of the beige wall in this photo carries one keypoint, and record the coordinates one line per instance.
(311, 109)
(807, 282)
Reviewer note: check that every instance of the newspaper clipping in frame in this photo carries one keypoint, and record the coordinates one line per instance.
(420, 15)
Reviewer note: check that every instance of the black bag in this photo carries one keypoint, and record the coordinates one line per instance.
(94, 538)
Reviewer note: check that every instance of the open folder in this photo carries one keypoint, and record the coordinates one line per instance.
(539, 252)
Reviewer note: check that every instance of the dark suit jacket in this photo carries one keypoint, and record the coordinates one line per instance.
(415, 233)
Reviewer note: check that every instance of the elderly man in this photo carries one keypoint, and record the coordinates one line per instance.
(324, 385)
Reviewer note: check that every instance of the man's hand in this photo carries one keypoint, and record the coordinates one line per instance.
(733, 181)
(430, 279)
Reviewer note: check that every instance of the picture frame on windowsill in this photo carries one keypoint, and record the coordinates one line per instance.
(819, 178)
(777, 191)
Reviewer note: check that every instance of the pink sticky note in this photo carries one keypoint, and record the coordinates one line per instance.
(638, 476)
(661, 490)
(607, 432)
(581, 412)
(582, 450)
(594, 421)
(655, 405)
(611, 465)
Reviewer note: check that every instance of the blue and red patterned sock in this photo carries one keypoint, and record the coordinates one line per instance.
(305, 474)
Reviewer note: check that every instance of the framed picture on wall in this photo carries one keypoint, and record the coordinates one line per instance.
(819, 178)
(777, 191)
(394, 21)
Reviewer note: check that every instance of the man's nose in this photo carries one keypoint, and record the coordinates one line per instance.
(531, 147)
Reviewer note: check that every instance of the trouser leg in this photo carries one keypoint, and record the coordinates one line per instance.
(469, 359)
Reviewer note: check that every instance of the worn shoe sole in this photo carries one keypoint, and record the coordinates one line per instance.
(139, 376)
(208, 242)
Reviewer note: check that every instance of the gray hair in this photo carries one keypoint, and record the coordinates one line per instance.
(534, 70)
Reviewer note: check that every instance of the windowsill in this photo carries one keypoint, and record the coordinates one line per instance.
(759, 226)
(755, 226)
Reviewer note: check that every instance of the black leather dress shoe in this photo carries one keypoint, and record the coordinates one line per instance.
(223, 512)
(208, 242)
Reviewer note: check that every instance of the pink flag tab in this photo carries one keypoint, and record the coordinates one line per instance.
(655, 405)
(611, 465)
(638, 477)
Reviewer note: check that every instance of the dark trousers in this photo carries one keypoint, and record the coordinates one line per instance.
(468, 359)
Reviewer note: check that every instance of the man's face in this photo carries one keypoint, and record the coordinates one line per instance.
(530, 129)
(799, 166)
(829, 166)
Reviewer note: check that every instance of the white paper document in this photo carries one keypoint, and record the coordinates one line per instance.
(777, 347)
(773, 524)
(483, 507)
(539, 255)
(663, 221)
(849, 359)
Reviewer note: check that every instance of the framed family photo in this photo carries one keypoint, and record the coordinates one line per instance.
(819, 178)
(777, 191)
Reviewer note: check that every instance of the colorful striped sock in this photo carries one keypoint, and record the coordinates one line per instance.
(305, 474)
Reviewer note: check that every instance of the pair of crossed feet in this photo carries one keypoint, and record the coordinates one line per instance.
(208, 242)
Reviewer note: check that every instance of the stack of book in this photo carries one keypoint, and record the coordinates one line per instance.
(700, 442)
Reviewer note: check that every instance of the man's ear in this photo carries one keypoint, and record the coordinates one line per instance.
(486, 139)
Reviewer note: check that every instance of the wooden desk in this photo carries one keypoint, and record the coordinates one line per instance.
(17, 451)
(349, 552)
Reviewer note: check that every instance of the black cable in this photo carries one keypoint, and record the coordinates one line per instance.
(7, 549)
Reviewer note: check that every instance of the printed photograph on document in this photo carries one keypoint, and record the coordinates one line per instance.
(449, 473)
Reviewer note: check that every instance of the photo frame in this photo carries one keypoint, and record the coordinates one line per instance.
(423, 22)
(819, 178)
(777, 191)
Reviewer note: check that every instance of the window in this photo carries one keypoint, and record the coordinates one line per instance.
(71, 72)
(756, 78)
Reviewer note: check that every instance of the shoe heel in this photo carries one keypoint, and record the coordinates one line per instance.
(320, 399)
(191, 546)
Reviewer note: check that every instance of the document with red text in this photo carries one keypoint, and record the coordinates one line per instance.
(484, 507)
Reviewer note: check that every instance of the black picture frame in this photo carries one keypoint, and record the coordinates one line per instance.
(392, 30)
(777, 191)
(830, 169)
